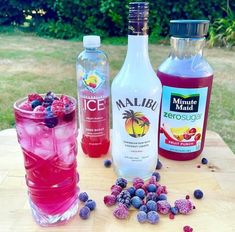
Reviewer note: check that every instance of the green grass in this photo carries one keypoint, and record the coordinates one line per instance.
(29, 63)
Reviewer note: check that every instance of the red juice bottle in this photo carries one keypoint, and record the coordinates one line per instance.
(186, 78)
(93, 92)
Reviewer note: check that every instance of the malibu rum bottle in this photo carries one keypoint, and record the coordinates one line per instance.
(136, 95)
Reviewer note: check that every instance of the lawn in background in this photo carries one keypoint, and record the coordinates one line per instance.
(32, 64)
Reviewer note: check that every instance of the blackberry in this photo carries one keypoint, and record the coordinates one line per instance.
(121, 182)
(125, 198)
(157, 175)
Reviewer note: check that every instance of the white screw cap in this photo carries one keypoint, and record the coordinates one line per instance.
(91, 41)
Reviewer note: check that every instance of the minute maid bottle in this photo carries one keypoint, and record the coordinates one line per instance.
(187, 79)
(136, 95)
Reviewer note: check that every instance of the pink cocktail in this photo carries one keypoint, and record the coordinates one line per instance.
(47, 133)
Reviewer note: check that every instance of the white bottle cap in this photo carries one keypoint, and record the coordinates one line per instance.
(91, 41)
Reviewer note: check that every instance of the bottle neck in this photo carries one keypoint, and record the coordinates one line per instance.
(186, 48)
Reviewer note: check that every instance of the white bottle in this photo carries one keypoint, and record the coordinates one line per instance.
(136, 96)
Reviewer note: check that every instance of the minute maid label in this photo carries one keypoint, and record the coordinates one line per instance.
(182, 118)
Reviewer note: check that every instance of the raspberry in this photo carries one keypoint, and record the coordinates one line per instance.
(115, 190)
(35, 96)
(163, 207)
(138, 182)
(151, 188)
(159, 165)
(153, 217)
(143, 208)
(26, 106)
(57, 107)
(204, 161)
(151, 205)
(121, 211)
(35, 103)
(171, 216)
(125, 198)
(151, 196)
(157, 175)
(109, 200)
(50, 120)
(131, 190)
(107, 163)
(84, 212)
(65, 100)
(136, 202)
(153, 180)
(174, 210)
(140, 193)
(121, 182)
(184, 206)
(188, 229)
(162, 197)
(83, 197)
(90, 204)
(198, 194)
(39, 109)
(161, 189)
(141, 216)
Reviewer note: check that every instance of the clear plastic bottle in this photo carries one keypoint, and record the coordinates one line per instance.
(136, 96)
(187, 80)
(93, 92)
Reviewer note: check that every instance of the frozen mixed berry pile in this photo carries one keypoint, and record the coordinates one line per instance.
(51, 106)
(148, 198)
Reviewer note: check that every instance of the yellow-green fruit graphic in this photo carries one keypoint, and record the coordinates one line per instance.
(136, 124)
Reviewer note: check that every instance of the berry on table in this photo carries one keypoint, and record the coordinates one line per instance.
(141, 216)
(162, 197)
(151, 196)
(159, 165)
(107, 163)
(131, 190)
(184, 206)
(204, 161)
(151, 205)
(187, 197)
(187, 229)
(136, 202)
(198, 194)
(161, 189)
(115, 189)
(171, 216)
(153, 217)
(140, 193)
(157, 175)
(174, 210)
(143, 208)
(121, 211)
(90, 204)
(163, 207)
(110, 200)
(121, 182)
(138, 182)
(125, 198)
(84, 212)
(83, 196)
(151, 188)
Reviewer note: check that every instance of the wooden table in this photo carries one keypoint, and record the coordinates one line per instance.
(214, 213)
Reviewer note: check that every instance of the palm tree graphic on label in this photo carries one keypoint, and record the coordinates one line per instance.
(136, 124)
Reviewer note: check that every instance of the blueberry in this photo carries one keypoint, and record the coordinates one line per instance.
(174, 210)
(140, 193)
(84, 212)
(162, 197)
(35, 103)
(50, 120)
(198, 194)
(151, 188)
(143, 208)
(153, 217)
(204, 161)
(159, 164)
(131, 190)
(136, 202)
(121, 182)
(83, 197)
(151, 205)
(141, 216)
(157, 175)
(90, 204)
(107, 163)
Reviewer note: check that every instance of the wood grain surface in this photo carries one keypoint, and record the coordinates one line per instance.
(214, 213)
